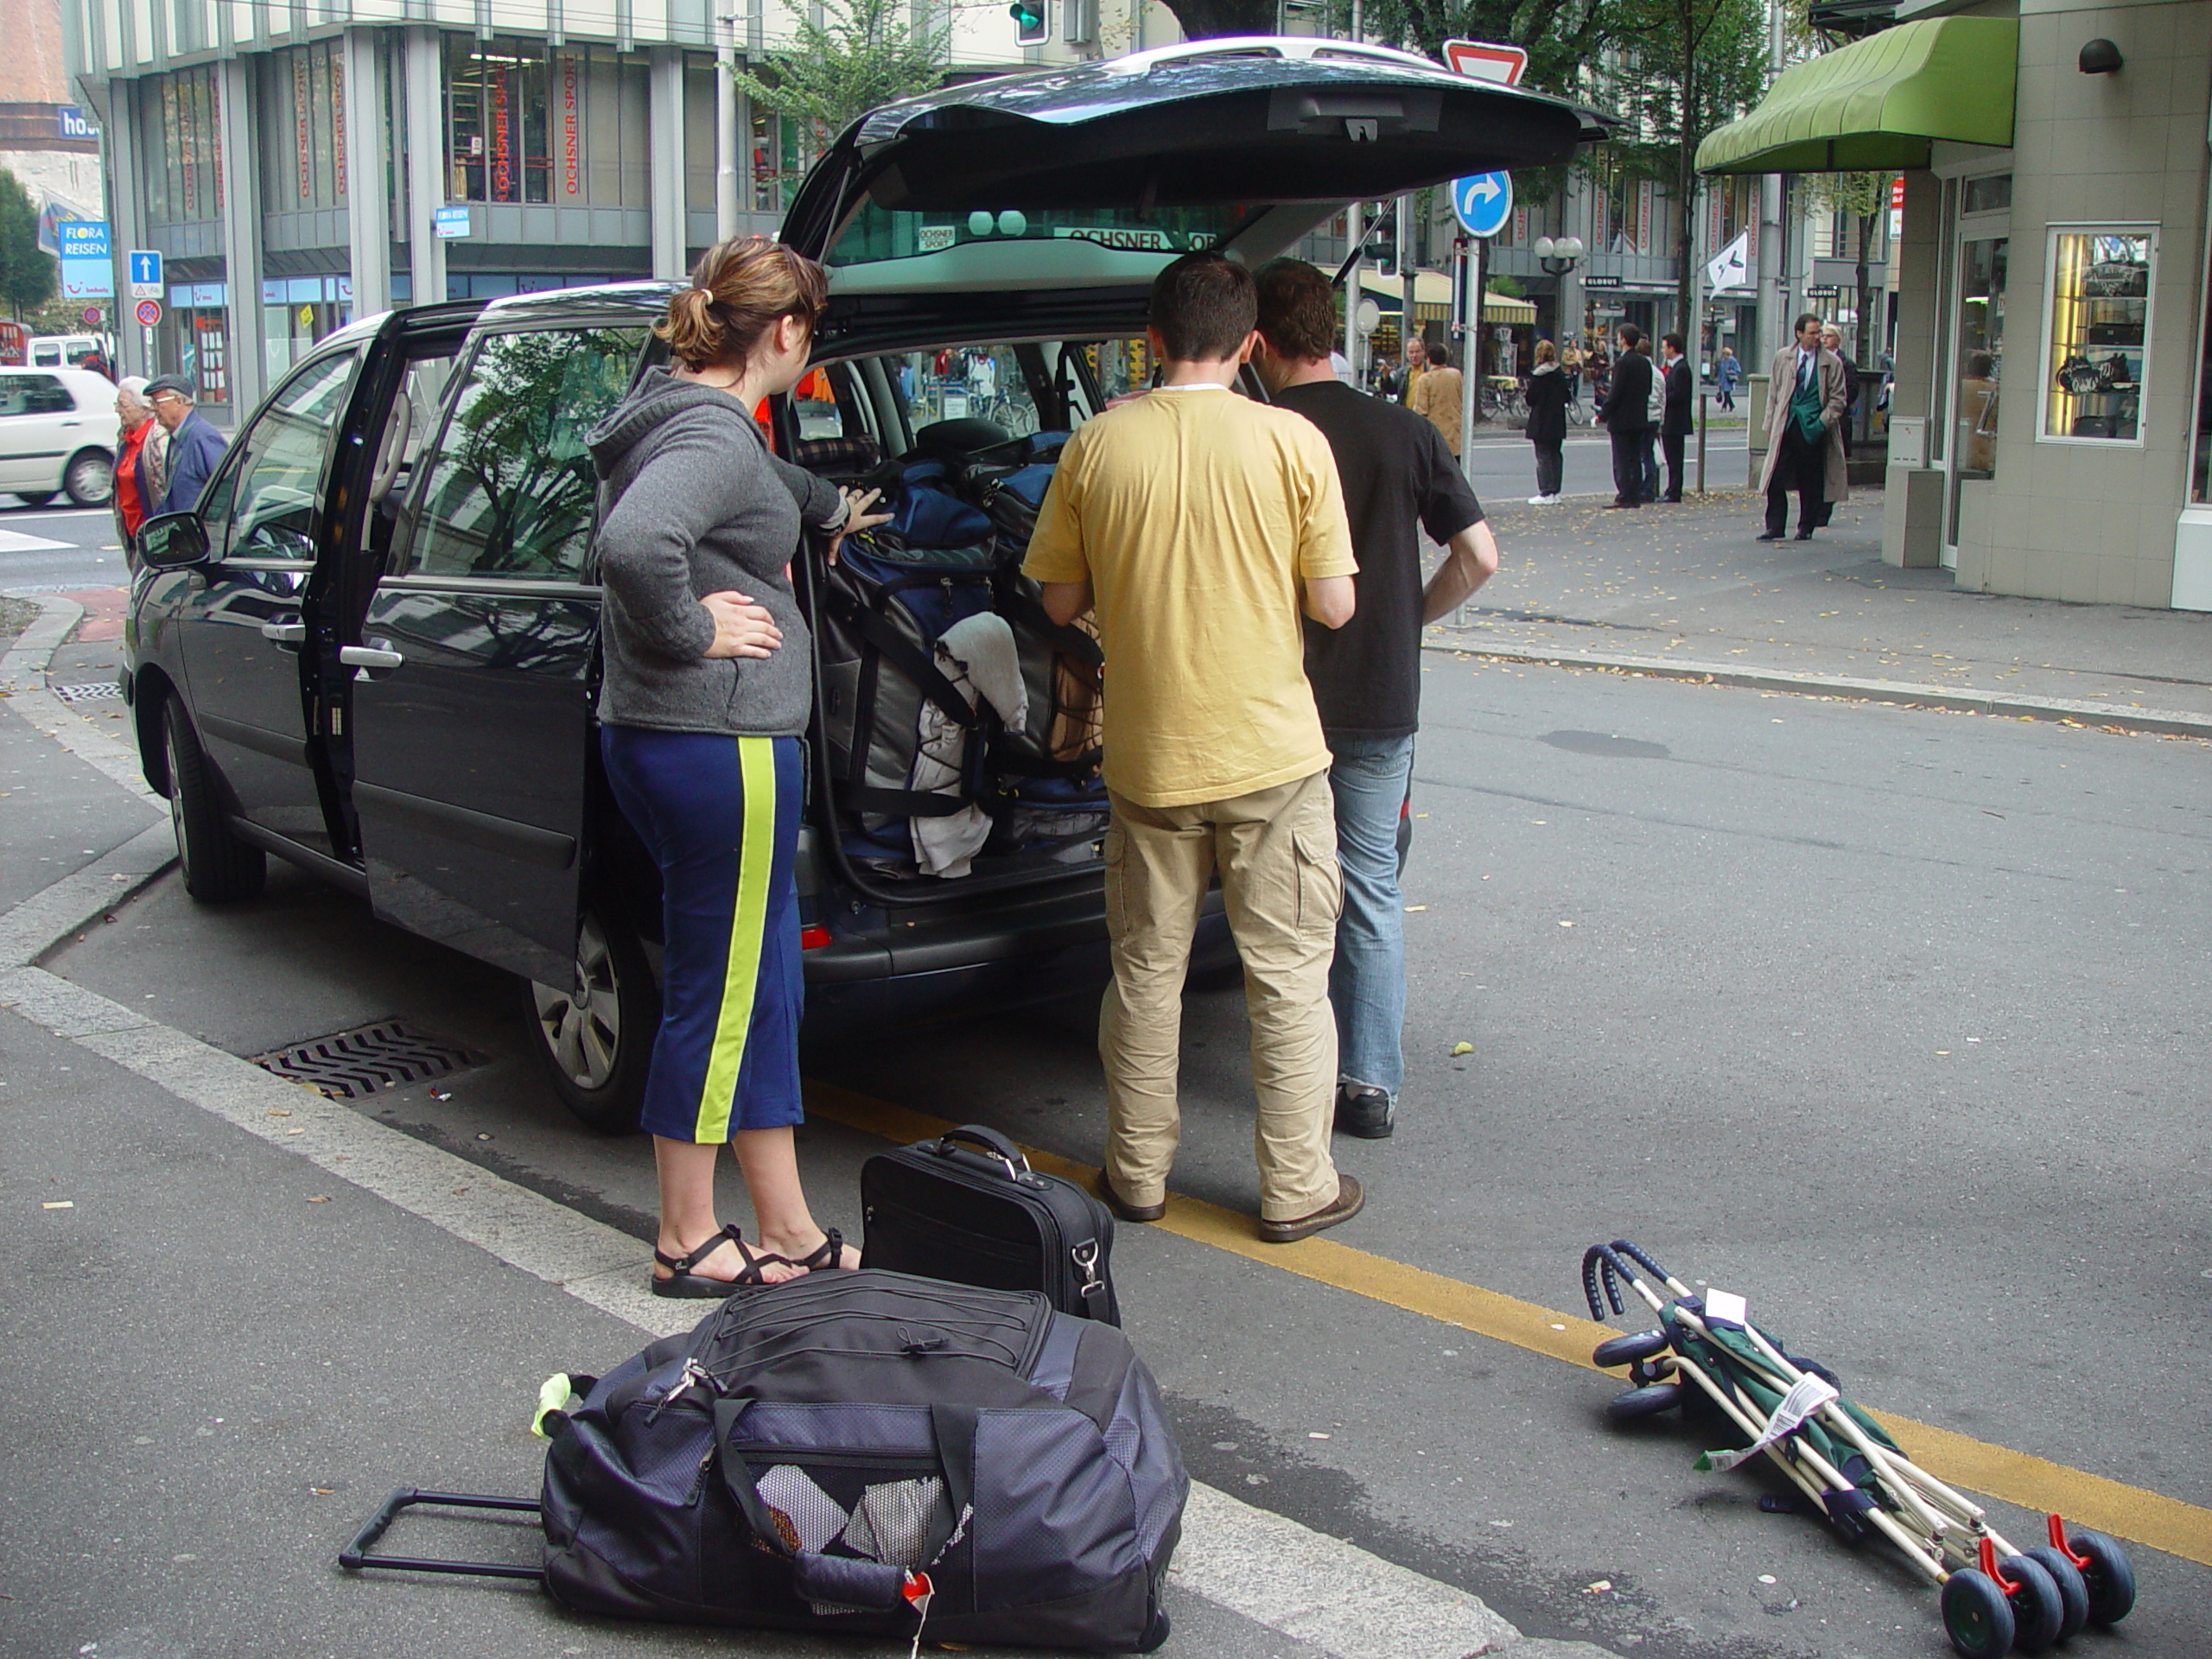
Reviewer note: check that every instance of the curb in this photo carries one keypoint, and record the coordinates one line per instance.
(2158, 722)
(22, 683)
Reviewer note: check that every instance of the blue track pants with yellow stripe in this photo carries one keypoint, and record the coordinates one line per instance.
(720, 816)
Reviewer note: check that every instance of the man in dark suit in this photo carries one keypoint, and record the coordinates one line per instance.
(1677, 423)
(1626, 413)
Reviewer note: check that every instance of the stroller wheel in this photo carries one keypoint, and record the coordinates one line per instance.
(2037, 1613)
(1976, 1615)
(2110, 1577)
(2073, 1589)
(1643, 1402)
(1626, 1350)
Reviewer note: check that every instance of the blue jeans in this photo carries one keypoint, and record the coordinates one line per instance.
(1367, 983)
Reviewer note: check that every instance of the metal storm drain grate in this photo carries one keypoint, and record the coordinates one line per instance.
(91, 693)
(355, 1064)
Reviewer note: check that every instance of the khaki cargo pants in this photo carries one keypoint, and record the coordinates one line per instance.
(1276, 852)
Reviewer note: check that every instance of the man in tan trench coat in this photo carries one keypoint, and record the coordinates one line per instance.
(1805, 389)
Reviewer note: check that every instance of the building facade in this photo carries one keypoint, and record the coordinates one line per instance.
(296, 165)
(2057, 157)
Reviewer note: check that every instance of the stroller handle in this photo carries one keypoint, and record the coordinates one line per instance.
(1643, 1259)
(1598, 1258)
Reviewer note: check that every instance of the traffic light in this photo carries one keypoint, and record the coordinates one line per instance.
(1382, 246)
(1029, 28)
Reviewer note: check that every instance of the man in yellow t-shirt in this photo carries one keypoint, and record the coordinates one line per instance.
(1200, 524)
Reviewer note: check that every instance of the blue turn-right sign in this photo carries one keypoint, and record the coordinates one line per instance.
(1484, 202)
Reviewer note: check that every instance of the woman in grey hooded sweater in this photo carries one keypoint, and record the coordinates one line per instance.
(706, 695)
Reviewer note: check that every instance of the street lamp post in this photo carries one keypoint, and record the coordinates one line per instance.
(1558, 256)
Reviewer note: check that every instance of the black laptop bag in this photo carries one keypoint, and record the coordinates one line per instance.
(967, 1207)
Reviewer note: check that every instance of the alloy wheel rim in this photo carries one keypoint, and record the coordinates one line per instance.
(176, 804)
(581, 1026)
(85, 484)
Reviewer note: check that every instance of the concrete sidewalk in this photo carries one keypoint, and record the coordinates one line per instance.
(1686, 591)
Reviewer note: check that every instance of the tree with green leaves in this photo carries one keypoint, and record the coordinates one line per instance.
(1696, 66)
(1561, 37)
(861, 55)
(1860, 197)
(28, 275)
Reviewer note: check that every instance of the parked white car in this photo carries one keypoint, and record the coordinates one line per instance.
(57, 434)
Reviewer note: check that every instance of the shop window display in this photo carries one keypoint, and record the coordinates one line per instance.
(498, 105)
(2101, 284)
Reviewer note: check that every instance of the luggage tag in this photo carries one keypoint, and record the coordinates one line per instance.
(917, 1590)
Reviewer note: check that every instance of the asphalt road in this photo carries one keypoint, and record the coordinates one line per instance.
(53, 550)
(1889, 1019)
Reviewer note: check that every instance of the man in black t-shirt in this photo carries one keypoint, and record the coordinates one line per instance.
(1399, 480)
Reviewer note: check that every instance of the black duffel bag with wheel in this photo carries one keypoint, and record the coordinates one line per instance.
(867, 1453)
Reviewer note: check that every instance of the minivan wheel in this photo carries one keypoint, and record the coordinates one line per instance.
(595, 1034)
(219, 867)
(89, 479)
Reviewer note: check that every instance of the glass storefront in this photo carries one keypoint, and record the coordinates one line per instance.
(499, 134)
(1979, 356)
(2100, 311)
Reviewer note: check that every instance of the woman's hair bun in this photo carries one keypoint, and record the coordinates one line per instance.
(738, 290)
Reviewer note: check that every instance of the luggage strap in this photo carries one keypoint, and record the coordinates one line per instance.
(914, 665)
(842, 1581)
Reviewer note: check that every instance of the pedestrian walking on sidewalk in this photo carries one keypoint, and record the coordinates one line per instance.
(703, 705)
(1398, 480)
(1626, 412)
(1832, 343)
(136, 415)
(1804, 450)
(1726, 374)
(1550, 389)
(193, 448)
(1199, 524)
(1436, 398)
(1677, 421)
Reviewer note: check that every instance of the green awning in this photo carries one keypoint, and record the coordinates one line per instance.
(1878, 104)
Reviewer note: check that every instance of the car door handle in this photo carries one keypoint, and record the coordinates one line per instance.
(285, 633)
(369, 657)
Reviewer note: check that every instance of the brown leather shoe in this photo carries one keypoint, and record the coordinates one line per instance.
(1348, 1202)
(1123, 1208)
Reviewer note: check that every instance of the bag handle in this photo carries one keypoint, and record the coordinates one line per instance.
(993, 1143)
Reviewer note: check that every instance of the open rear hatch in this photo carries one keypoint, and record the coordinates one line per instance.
(1038, 206)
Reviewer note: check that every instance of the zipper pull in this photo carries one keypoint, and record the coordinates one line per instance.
(693, 1373)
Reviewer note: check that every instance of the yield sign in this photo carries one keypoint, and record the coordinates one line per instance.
(1484, 60)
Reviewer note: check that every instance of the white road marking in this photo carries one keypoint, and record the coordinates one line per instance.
(16, 541)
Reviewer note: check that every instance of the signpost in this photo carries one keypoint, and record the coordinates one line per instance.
(450, 221)
(91, 315)
(1483, 205)
(150, 313)
(145, 274)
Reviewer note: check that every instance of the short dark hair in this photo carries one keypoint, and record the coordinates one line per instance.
(1297, 308)
(1440, 355)
(1631, 336)
(1674, 343)
(1204, 306)
(1798, 328)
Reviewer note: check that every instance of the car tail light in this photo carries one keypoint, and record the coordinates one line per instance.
(813, 938)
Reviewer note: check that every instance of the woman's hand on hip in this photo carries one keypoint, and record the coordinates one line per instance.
(742, 628)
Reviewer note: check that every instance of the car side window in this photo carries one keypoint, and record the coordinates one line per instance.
(267, 505)
(14, 395)
(45, 395)
(511, 490)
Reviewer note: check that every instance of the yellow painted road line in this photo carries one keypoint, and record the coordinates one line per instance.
(2034, 1484)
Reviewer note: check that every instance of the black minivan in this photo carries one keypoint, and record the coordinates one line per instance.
(373, 649)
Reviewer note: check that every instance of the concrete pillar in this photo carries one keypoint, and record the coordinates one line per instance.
(368, 214)
(238, 143)
(664, 130)
(1912, 504)
(424, 78)
(726, 130)
(126, 212)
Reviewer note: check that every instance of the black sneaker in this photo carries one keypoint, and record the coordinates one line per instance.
(1364, 1112)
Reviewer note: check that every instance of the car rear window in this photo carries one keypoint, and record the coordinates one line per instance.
(1072, 244)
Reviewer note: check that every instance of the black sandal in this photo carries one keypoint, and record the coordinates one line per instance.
(829, 1253)
(683, 1281)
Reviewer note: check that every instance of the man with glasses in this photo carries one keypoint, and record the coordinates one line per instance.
(195, 446)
